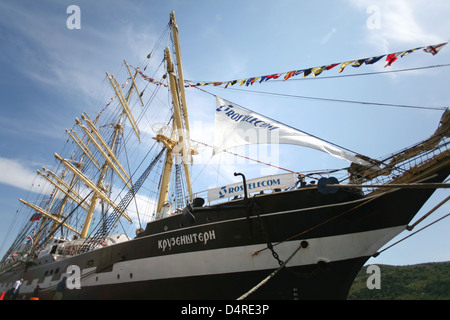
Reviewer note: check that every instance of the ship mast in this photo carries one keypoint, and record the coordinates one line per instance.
(180, 128)
(111, 161)
(107, 151)
(177, 144)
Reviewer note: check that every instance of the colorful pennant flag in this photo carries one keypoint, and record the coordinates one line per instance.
(319, 71)
(434, 49)
(230, 83)
(147, 78)
(275, 76)
(344, 65)
(391, 58)
(307, 72)
(410, 51)
(331, 66)
(358, 63)
(316, 71)
(374, 59)
(289, 75)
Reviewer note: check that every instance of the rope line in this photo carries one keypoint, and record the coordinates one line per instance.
(265, 280)
(428, 225)
(340, 100)
(322, 223)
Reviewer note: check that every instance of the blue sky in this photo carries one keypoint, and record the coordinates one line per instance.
(50, 74)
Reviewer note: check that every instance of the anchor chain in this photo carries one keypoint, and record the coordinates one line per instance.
(256, 209)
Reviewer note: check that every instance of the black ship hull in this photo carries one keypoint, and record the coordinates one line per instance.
(221, 252)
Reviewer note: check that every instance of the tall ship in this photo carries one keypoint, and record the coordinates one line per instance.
(296, 235)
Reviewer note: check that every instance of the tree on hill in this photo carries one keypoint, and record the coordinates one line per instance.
(429, 281)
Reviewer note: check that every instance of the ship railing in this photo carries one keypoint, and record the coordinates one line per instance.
(398, 167)
(402, 168)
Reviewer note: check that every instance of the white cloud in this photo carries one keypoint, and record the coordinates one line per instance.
(15, 173)
(71, 61)
(404, 22)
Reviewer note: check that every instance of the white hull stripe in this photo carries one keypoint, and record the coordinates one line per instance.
(236, 259)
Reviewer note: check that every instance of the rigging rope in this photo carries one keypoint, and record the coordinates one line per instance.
(340, 100)
(161, 37)
(428, 225)
(103, 228)
(411, 227)
(270, 276)
(190, 82)
(248, 158)
(370, 73)
(323, 222)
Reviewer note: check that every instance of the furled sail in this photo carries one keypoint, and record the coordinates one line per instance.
(237, 126)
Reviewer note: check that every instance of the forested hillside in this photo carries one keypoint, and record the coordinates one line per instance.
(430, 281)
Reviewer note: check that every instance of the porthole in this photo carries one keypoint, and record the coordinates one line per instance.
(118, 276)
(131, 276)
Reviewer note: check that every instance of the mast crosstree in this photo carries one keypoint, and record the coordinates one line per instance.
(180, 139)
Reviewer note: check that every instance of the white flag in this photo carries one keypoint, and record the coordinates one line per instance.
(237, 126)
